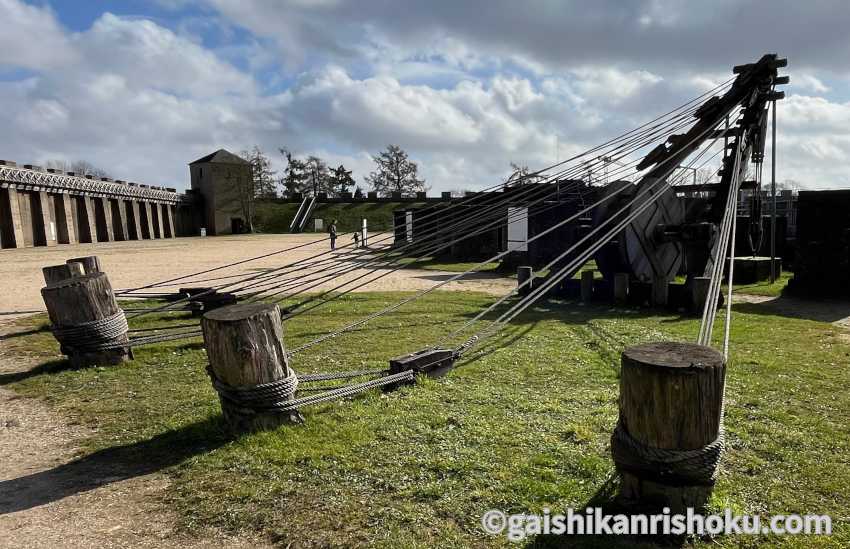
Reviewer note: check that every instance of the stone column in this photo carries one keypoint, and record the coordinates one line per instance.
(107, 217)
(168, 213)
(121, 227)
(15, 223)
(135, 225)
(157, 219)
(47, 226)
(90, 222)
(66, 231)
(147, 224)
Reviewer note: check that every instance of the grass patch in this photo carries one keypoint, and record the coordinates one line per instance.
(765, 288)
(522, 424)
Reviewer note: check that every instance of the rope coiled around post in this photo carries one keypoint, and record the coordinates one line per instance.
(667, 466)
(97, 335)
(277, 396)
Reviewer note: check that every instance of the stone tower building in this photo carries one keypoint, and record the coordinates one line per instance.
(222, 179)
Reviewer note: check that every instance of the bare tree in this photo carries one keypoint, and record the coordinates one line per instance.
(261, 168)
(395, 173)
(318, 175)
(521, 175)
(79, 167)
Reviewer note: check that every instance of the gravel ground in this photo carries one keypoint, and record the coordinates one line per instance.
(137, 263)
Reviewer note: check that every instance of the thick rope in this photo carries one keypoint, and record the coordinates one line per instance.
(96, 335)
(668, 466)
(276, 396)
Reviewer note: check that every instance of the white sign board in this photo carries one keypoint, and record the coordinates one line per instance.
(318, 225)
(517, 229)
(408, 222)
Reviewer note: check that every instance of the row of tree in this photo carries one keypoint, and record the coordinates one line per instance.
(311, 175)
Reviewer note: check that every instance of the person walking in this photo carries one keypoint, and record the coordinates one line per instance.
(332, 231)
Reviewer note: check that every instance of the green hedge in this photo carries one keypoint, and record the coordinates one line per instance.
(275, 217)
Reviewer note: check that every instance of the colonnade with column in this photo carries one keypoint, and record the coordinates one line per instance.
(49, 207)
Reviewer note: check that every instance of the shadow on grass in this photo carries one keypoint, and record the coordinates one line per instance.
(111, 465)
(605, 499)
(25, 333)
(50, 367)
(795, 307)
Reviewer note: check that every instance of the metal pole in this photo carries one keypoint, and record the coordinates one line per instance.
(773, 197)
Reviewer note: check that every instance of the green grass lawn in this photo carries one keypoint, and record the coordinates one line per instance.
(522, 424)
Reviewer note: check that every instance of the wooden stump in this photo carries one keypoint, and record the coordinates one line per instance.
(75, 303)
(587, 286)
(245, 348)
(91, 264)
(57, 273)
(671, 398)
(523, 275)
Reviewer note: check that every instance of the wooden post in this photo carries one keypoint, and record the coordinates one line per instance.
(621, 287)
(47, 224)
(244, 345)
(58, 273)
(671, 401)
(90, 218)
(16, 224)
(91, 264)
(660, 291)
(587, 286)
(523, 274)
(75, 303)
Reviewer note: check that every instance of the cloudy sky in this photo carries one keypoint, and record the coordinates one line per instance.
(142, 88)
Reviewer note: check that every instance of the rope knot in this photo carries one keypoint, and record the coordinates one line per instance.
(667, 466)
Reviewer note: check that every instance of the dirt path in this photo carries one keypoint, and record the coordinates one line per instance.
(49, 499)
(137, 263)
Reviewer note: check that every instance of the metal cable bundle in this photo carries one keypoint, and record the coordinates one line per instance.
(667, 466)
(341, 375)
(96, 335)
(276, 396)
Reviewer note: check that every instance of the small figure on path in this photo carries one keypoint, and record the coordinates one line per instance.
(332, 230)
(356, 239)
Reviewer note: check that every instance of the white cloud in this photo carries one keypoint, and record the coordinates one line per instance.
(147, 55)
(612, 85)
(465, 94)
(31, 38)
(807, 82)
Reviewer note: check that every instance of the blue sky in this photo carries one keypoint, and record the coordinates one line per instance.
(142, 88)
